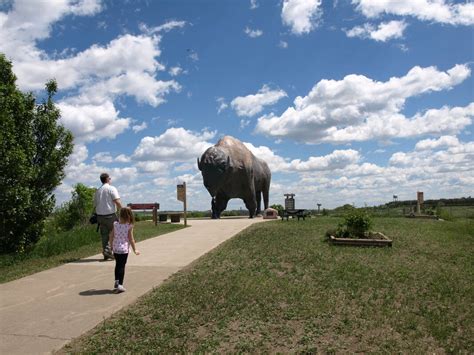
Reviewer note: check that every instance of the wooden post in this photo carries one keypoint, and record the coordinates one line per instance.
(155, 215)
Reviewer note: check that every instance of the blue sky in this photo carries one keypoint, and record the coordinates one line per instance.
(347, 101)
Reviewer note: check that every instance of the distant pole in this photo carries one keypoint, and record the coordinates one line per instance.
(181, 192)
(185, 201)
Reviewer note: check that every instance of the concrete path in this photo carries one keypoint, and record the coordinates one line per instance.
(43, 312)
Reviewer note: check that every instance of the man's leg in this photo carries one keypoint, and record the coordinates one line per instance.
(106, 225)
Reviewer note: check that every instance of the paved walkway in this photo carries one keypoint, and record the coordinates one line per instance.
(43, 312)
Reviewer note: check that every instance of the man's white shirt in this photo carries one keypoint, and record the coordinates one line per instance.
(104, 199)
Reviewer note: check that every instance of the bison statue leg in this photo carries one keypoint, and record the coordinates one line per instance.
(259, 202)
(265, 192)
(219, 204)
(251, 204)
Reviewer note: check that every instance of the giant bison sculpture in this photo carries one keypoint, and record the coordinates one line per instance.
(229, 170)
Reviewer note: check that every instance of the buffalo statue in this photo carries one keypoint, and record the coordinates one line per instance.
(230, 170)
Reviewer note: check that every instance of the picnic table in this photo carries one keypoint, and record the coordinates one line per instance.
(299, 213)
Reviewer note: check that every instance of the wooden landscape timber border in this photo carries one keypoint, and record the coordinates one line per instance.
(146, 206)
(385, 242)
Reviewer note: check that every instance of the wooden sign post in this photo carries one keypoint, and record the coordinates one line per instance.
(419, 201)
(181, 190)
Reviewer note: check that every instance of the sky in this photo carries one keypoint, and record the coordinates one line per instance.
(348, 101)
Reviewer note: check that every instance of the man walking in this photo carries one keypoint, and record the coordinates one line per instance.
(106, 199)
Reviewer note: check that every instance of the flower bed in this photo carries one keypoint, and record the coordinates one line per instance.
(373, 239)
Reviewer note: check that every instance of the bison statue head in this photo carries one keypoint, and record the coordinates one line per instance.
(214, 165)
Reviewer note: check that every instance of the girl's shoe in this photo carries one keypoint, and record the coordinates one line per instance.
(116, 284)
(120, 289)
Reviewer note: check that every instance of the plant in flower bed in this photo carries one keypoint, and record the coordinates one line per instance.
(356, 224)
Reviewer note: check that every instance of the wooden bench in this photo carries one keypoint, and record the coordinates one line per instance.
(301, 213)
(146, 206)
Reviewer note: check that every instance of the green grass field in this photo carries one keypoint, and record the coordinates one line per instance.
(59, 248)
(279, 287)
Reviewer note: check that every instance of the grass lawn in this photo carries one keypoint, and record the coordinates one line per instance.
(280, 287)
(56, 249)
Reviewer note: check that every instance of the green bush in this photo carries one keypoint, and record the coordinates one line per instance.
(75, 212)
(444, 214)
(357, 223)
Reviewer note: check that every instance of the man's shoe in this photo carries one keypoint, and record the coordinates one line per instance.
(108, 257)
(120, 289)
(108, 254)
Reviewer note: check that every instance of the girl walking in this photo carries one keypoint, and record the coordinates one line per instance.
(121, 238)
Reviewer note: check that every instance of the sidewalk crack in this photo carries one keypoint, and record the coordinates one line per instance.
(35, 336)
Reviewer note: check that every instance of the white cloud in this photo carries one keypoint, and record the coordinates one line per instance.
(98, 62)
(283, 44)
(253, 33)
(140, 127)
(175, 71)
(91, 79)
(458, 158)
(103, 157)
(275, 162)
(357, 108)
(122, 158)
(22, 26)
(338, 159)
(222, 104)
(244, 123)
(444, 141)
(251, 105)
(443, 173)
(384, 32)
(153, 166)
(253, 4)
(166, 27)
(426, 10)
(92, 122)
(301, 15)
(176, 144)
(79, 154)
(193, 55)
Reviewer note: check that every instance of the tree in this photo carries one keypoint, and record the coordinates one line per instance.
(78, 210)
(34, 149)
(279, 208)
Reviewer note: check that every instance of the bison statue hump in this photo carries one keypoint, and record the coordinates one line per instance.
(230, 170)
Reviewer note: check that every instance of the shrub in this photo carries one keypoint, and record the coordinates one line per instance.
(356, 223)
(444, 214)
(75, 212)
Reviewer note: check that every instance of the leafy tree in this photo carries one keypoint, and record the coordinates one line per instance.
(34, 149)
(77, 211)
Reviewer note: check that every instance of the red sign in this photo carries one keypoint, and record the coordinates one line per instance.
(143, 206)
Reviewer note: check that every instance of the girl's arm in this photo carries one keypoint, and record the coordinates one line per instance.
(132, 241)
